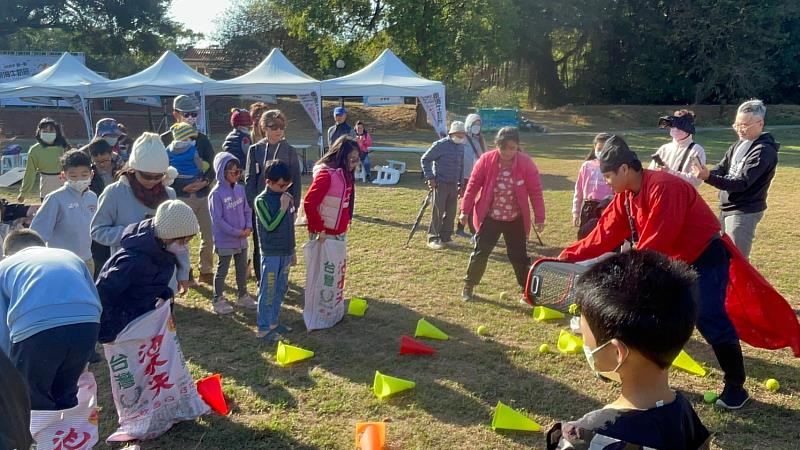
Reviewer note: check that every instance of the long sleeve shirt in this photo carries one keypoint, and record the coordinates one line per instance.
(41, 159)
(444, 161)
(678, 158)
(590, 186)
(64, 220)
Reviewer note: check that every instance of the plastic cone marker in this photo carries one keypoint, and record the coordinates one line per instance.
(569, 343)
(410, 346)
(370, 436)
(288, 354)
(685, 362)
(506, 418)
(426, 329)
(210, 390)
(540, 314)
(384, 385)
(357, 307)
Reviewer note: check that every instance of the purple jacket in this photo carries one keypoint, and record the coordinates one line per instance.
(230, 213)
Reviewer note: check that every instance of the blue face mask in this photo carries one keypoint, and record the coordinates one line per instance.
(589, 353)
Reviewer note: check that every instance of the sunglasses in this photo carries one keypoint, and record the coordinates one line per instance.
(186, 115)
(151, 176)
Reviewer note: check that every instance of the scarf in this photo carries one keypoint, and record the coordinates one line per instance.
(148, 197)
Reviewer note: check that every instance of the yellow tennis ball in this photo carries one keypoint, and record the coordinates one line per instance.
(772, 384)
(710, 397)
(504, 296)
(573, 309)
(544, 348)
(482, 330)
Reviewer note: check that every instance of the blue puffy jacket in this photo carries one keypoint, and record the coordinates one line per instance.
(133, 279)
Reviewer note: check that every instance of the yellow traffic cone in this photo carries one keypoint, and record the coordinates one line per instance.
(540, 314)
(685, 362)
(426, 329)
(370, 435)
(384, 385)
(507, 418)
(357, 306)
(287, 354)
(569, 343)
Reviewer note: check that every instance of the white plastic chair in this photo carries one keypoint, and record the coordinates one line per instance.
(400, 166)
(360, 174)
(7, 162)
(23, 159)
(386, 176)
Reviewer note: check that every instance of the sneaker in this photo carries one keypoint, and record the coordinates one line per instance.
(272, 337)
(463, 234)
(222, 307)
(466, 293)
(283, 329)
(450, 244)
(435, 245)
(246, 301)
(733, 398)
(207, 278)
(473, 239)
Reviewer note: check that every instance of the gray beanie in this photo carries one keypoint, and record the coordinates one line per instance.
(175, 219)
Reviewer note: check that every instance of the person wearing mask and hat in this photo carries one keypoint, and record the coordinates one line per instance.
(443, 168)
(44, 159)
(683, 153)
(108, 130)
(142, 185)
(473, 150)
(238, 140)
(195, 194)
(658, 211)
(341, 127)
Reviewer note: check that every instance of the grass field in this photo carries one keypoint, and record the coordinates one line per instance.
(316, 404)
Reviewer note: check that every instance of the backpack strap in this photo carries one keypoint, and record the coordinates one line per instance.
(685, 156)
(631, 222)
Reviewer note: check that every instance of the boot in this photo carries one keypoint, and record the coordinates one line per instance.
(731, 361)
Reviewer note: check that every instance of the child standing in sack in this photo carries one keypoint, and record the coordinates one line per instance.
(275, 212)
(231, 224)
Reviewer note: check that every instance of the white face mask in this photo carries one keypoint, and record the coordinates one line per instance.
(177, 249)
(112, 140)
(80, 185)
(47, 138)
(475, 129)
(590, 359)
(458, 140)
(677, 134)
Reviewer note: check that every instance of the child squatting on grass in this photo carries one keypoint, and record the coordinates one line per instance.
(638, 310)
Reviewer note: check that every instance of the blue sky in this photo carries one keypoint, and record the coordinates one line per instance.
(199, 15)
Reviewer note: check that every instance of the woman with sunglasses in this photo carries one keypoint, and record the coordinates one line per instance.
(272, 147)
(141, 186)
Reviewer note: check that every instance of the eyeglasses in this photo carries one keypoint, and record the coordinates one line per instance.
(102, 161)
(743, 126)
(186, 115)
(151, 176)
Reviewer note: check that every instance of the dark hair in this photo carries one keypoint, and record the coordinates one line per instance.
(600, 138)
(256, 110)
(644, 299)
(60, 141)
(276, 170)
(21, 239)
(685, 112)
(636, 165)
(506, 134)
(336, 156)
(75, 158)
(97, 147)
(272, 114)
(232, 162)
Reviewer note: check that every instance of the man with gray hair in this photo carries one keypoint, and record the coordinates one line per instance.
(744, 175)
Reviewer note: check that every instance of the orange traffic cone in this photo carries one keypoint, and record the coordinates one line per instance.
(370, 436)
(210, 390)
(411, 346)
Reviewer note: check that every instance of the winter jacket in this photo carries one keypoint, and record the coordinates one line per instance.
(98, 184)
(275, 227)
(364, 143)
(527, 187)
(230, 213)
(64, 220)
(338, 130)
(743, 186)
(329, 201)
(206, 152)
(236, 143)
(186, 161)
(474, 147)
(134, 279)
(444, 161)
(678, 158)
(257, 155)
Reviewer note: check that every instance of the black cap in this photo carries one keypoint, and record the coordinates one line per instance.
(615, 152)
(684, 123)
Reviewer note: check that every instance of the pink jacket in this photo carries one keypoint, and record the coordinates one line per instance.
(527, 186)
(590, 186)
(364, 144)
(329, 201)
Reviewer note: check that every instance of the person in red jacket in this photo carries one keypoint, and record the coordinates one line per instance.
(658, 211)
(328, 203)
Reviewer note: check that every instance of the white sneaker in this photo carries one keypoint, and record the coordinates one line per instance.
(222, 307)
(246, 301)
(435, 245)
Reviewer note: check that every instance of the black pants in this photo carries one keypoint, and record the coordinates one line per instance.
(51, 361)
(100, 254)
(256, 249)
(514, 234)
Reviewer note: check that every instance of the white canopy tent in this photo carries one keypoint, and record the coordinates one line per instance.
(68, 78)
(389, 76)
(276, 75)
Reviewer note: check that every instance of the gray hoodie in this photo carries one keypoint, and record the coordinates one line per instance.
(64, 218)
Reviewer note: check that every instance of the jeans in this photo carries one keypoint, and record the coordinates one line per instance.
(51, 362)
(514, 234)
(274, 284)
(256, 250)
(223, 263)
(445, 200)
(366, 163)
(741, 228)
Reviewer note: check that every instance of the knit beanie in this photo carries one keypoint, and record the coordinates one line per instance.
(182, 131)
(175, 219)
(241, 118)
(148, 154)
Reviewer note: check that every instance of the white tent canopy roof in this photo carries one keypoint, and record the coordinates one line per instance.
(66, 78)
(169, 76)
(386, 76)
(276, 75)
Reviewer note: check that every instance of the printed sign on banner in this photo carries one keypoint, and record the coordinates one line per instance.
(25, 64)
(327, 263)
(266, 98)
(434, 107)
(150, 382)
(382, 101)
(154, 101)
(310, 102)
(69, 429)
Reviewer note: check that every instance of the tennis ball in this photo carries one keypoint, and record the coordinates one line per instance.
(482, 330)
(504, 296)
(710, 397)
(573, 309)
(772, 384)
(544, 348)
